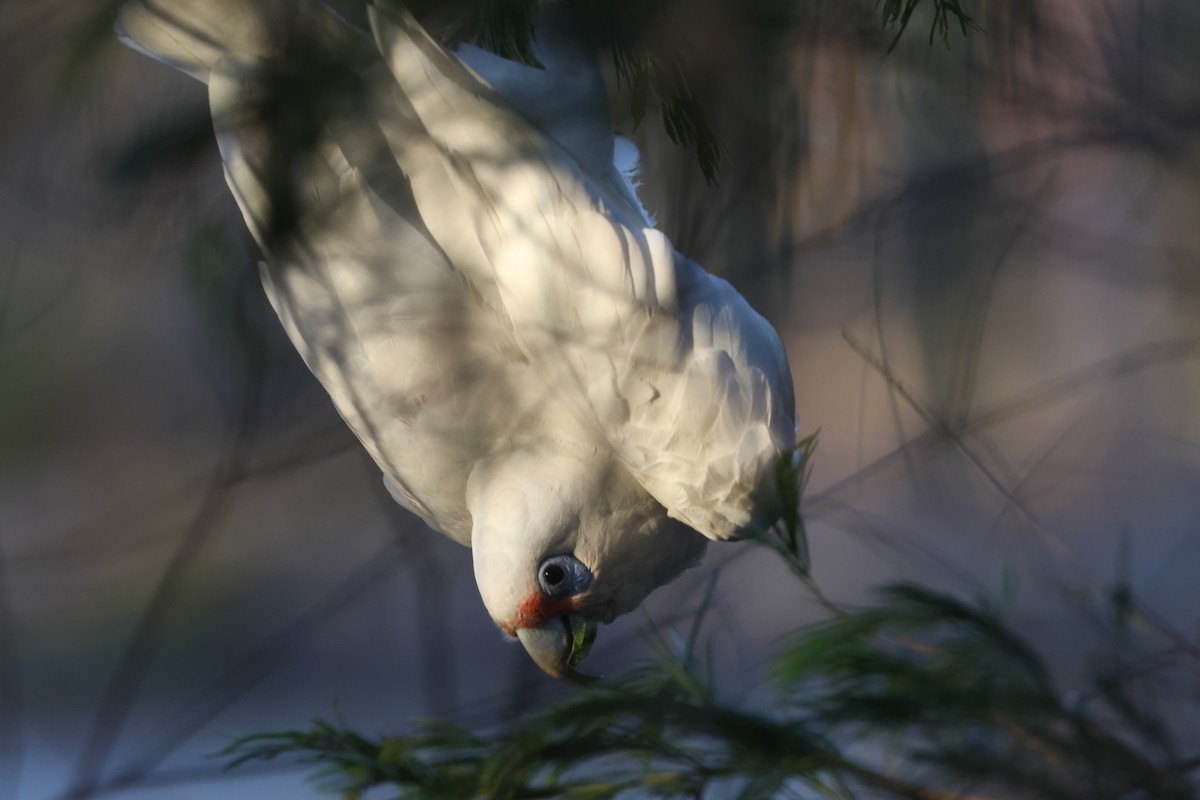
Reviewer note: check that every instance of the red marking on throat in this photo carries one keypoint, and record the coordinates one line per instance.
(536, 609)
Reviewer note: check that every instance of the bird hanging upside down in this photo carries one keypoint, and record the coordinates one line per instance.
(538, 373)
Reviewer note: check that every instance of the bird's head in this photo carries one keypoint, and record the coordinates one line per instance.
(563, 539)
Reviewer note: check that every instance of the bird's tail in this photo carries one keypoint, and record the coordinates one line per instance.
(193, 35)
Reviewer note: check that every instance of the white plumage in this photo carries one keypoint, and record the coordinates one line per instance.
(537, 372)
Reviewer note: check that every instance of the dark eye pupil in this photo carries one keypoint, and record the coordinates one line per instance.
(554, 575)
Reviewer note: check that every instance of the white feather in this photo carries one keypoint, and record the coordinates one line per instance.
(487, 303)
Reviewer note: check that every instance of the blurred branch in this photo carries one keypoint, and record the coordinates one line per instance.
(433, 604)
(190, 778)
(142, 647)
(12, 706)
(955, 434)
(190, 716)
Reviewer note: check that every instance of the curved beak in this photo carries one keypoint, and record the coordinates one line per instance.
(559, 644)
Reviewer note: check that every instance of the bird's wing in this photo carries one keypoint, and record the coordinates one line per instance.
(193, 35)
(415, 363)
(667, 363)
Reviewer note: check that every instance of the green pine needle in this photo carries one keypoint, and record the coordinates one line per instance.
(955, 697)
(897, 14)
(959, 701)
(652, 75)
(958, 698)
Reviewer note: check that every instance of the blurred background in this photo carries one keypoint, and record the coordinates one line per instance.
(984, 260)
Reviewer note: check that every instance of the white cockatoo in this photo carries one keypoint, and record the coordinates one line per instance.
(537, 372)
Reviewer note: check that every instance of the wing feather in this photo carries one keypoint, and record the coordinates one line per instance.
(413, 359)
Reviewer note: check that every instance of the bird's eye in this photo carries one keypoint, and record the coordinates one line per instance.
(563, 576)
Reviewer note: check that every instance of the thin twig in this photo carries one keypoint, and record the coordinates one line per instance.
(12, 706)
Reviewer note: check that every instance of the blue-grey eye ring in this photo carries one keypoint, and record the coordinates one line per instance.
(563, 576)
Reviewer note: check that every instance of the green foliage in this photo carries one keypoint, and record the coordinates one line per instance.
(652, 70)
(787, 535)
(955, 700)
(972, 707)
(974, 704)
(898, 13)
(504, 27)
(659, 731)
